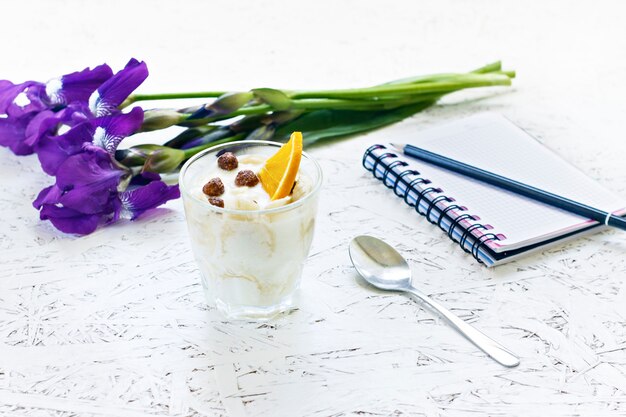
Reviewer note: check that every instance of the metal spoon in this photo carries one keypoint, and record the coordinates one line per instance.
(383, 267)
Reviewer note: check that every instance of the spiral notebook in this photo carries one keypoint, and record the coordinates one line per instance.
(491, 224)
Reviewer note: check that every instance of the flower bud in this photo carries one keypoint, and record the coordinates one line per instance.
(277, 99)
(163, 160)
(134, 156)
(262, 133)
(160, 119)
(187, 135)
(213, 136)
(225, 104)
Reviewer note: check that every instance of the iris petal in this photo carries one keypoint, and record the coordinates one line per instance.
(111, 130)
(13, 133)
(136, 202)
(77, 86)
(8, 93)
(89, 181)
(19, 99)
(85, 193)
(68, 220)
(107, 98)
(43, 122)
(49, 195)
(54, 150)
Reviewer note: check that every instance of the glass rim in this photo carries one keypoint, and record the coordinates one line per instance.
(287, 207)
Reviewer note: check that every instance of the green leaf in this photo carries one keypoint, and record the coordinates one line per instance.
(329, 124)
(275, 98)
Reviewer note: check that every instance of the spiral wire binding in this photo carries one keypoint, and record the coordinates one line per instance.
(438, 213)
(421, 196)
(400, 176)
(457, 221)
(433, 204)
(389, 168)
(411, 186)
(446, 210)
(480, 240)
(468, 232)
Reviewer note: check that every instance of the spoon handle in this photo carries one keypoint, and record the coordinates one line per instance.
(492, 348)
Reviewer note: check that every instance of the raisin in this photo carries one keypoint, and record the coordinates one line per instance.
(214, 187)
(246, 178)
(228, 161)
(216, 201)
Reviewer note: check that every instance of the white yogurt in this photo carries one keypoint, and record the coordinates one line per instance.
(251, 261)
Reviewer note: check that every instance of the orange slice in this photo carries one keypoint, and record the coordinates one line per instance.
(279, 172)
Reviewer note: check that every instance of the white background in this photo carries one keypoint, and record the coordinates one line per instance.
(115, 323)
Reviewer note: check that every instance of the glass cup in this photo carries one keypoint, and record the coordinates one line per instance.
(250, 260)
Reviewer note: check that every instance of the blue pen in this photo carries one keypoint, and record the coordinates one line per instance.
(517, 187)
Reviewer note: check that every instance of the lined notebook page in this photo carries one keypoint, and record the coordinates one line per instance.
(491, 142)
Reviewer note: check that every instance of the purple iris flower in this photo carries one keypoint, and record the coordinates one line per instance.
(75, 125)
(20, 104)
(19, 99)
(30, 110)
(106, 129)
(103, 132)
(90, 190)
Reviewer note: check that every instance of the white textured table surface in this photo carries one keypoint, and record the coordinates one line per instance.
(115, 323)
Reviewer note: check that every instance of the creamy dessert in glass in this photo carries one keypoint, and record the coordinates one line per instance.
(250, 241)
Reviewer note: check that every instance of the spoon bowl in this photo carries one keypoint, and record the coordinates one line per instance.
(379, 263)
(383, 267)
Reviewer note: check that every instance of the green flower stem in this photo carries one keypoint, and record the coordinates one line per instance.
(508, 73)
(455, 83)
(275, 113)
(492, 67)
(440, 77)
(423, 78)
(171, 96)
(381, 103)
(388, 96)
